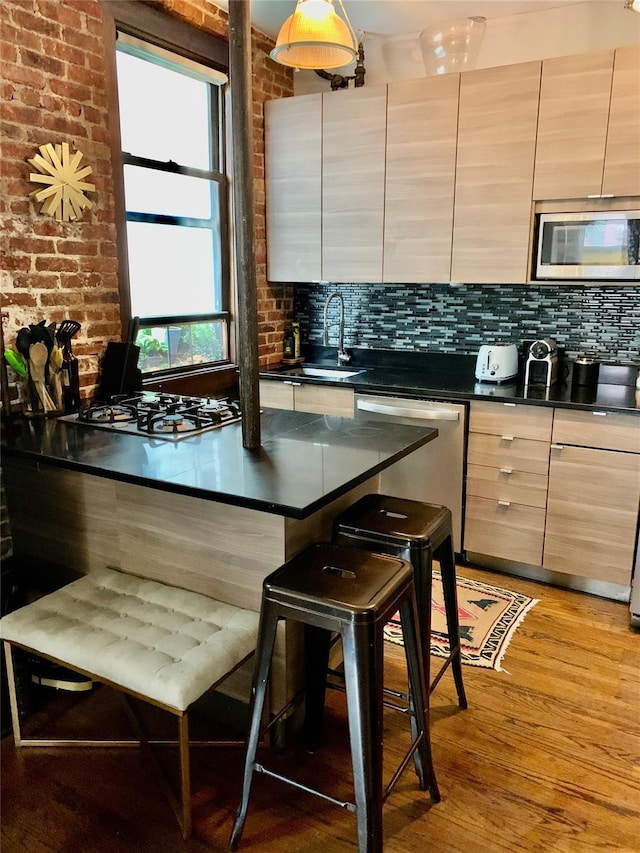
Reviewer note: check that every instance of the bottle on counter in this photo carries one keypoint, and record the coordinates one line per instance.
(70, 377)
(289, 343)
(297, 342)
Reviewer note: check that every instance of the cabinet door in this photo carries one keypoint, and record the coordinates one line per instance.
(592, 513)
(494, 175)
(422, 122)
(293, 185)
(572, 126)
(622, 159)
(353, 155)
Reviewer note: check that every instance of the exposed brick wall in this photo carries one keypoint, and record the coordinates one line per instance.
(52, 81)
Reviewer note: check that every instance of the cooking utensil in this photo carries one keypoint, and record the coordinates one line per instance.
(38, 358)
(66, 330)
(55, 364)
(24, 340)
(69, 372)
(16, 362)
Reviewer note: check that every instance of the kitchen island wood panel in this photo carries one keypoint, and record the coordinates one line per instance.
(293, 186)
(622, 160)
(494, 174)
(572, 126)
(353, 169)
(75, 524)
(422, 127)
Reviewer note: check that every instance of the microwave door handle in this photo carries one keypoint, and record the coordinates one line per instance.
(405, 412)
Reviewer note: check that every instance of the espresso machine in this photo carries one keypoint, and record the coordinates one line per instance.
(542, 363)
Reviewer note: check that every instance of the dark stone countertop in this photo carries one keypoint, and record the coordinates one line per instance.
(452, 377)
(305, 461)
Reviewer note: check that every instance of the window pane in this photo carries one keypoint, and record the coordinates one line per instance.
(153, 191)
(164, 115)
(171, 270)
(182, 345)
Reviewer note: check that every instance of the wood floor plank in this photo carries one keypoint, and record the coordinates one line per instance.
(545, 760)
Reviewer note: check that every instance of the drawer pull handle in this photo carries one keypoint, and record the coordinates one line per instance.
(506, 437)
(506, 470)
(557, 446)
(510, 404)
(289, 382)
(504, 503)
(599, 414)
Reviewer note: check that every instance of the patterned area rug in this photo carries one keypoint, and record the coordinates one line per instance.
(489, 617)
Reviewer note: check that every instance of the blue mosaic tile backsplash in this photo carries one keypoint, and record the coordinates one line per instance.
(603, 322)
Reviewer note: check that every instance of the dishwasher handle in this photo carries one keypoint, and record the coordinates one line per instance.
(405, 412)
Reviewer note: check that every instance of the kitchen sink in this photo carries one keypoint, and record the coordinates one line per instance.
(321, 372)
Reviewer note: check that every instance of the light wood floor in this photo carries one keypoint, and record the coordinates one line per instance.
(546, 758)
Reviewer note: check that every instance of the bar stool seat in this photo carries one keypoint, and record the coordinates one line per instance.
(353, 593)
(418, 532)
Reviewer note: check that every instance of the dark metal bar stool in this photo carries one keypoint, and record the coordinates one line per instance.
(353, 593)
(417, 532)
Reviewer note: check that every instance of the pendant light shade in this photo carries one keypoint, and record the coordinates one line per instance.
(634, 5)
(316, 37)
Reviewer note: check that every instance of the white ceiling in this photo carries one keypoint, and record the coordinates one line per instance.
(396, 17)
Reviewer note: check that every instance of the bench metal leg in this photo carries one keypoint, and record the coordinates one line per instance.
(13, 698)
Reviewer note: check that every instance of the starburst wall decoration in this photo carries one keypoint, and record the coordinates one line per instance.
(64, 196)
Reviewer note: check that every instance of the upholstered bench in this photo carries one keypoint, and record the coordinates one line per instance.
(155, 642)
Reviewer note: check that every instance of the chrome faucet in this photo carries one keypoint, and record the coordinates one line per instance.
(343, 357)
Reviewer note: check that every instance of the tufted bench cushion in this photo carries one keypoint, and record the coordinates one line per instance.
(158, 641)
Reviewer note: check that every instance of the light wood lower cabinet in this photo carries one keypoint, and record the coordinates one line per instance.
(318, 399)
(507, 468)
(592, 513)
(594, 493)
(570, 506)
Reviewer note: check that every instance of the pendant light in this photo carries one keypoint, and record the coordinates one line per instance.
(634, 5)
(315, 36)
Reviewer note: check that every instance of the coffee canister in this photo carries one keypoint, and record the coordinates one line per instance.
(585, 371)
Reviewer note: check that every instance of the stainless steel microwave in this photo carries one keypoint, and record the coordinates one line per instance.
(595, 246)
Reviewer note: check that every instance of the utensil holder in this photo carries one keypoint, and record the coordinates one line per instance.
(32, 403)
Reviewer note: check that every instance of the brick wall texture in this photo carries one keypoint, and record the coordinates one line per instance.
(52, 79)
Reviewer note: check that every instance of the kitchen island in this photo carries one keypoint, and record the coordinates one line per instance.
(202, 513)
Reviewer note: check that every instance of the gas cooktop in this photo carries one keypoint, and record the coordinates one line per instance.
(166, 416)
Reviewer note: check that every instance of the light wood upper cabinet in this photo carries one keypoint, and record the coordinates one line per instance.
(622, 159)
(354, 131)
(572, 125)
(494, 176)
(293, 185)
(422, 123)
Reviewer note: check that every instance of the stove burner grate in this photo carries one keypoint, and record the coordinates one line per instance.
(157, 414)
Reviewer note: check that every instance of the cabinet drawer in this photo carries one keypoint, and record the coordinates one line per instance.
(508, 419)
(324, 400)
(512, 532)
(506, 484)
(276, 395)
(607, 430)
(518, 454)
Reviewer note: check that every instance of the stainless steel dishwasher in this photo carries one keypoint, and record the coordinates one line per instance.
(433, 473)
